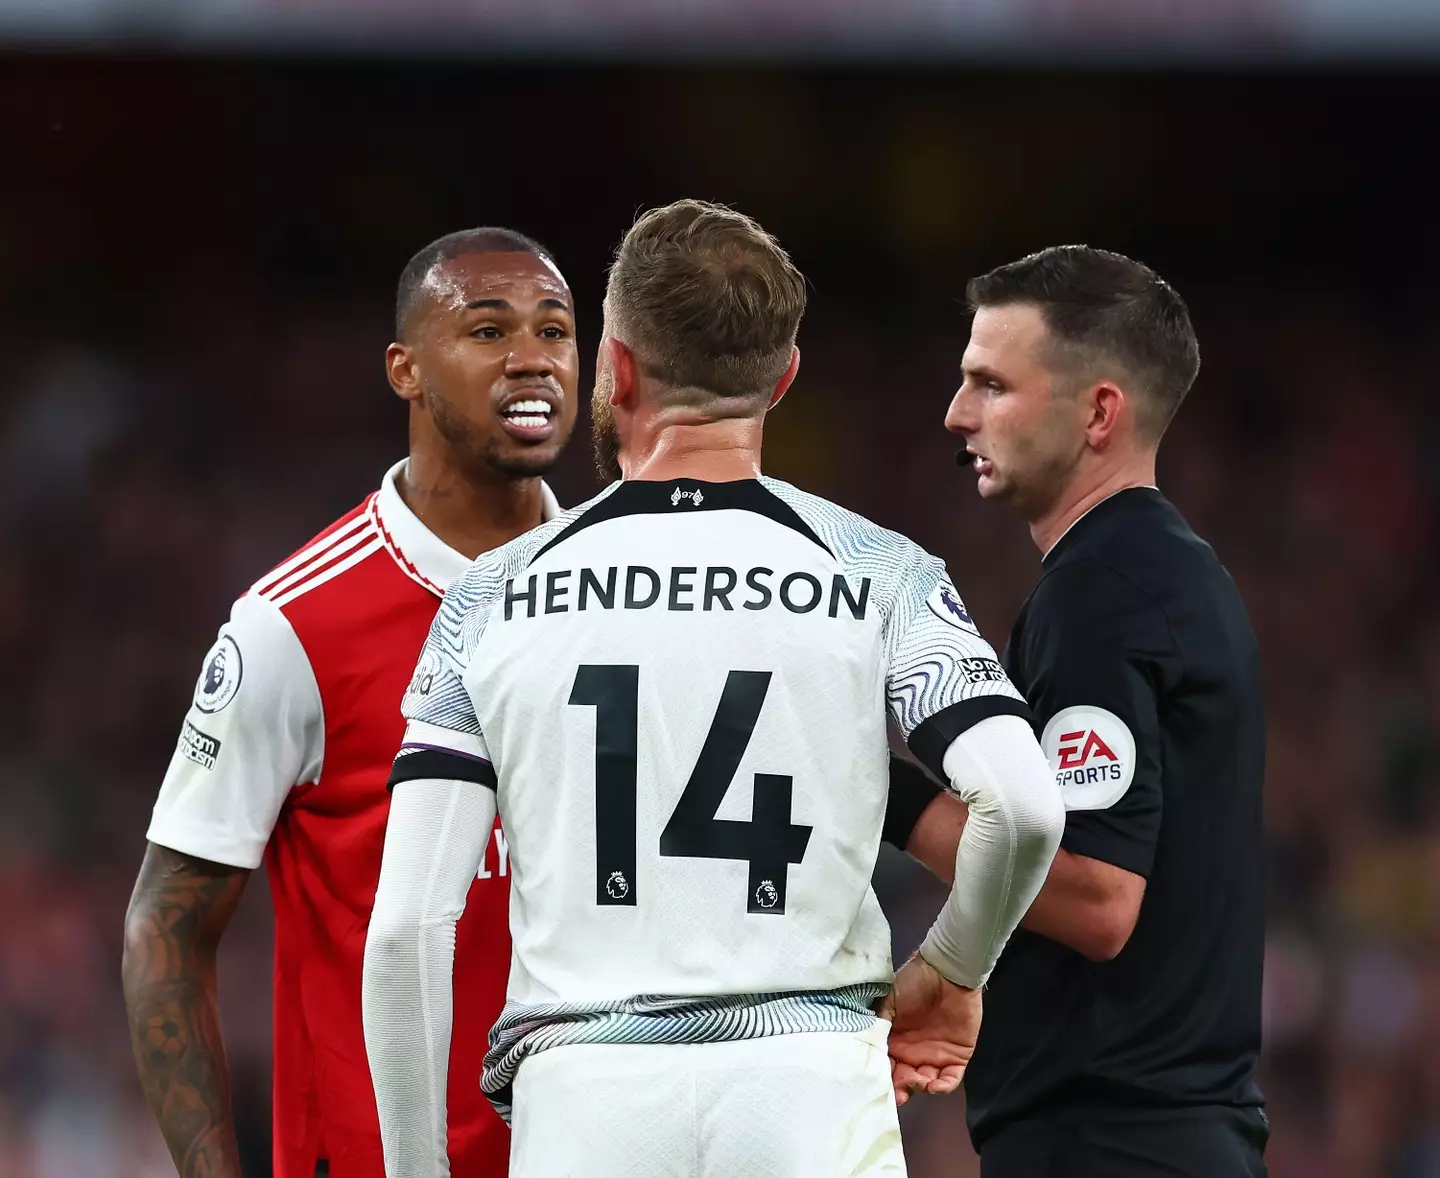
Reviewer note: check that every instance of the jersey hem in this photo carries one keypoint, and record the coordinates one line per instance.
(204, 841)
(1130, 857)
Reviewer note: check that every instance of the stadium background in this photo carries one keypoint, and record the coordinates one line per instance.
(201, 223)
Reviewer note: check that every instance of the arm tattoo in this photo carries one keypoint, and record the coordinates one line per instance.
(177, 913)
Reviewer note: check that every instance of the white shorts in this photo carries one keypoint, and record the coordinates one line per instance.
(811, 1105)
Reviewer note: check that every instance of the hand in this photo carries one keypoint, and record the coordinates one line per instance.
(934, 1024)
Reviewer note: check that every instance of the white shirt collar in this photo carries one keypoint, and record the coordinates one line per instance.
(419, 552)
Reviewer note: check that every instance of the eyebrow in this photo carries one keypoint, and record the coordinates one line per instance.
(504, 305)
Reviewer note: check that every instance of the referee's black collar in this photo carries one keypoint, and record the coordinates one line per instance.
(682, 497)
(1131, 500)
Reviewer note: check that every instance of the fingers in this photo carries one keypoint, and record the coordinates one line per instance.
(905, 1080)
(946, 1080)
(908, 1079)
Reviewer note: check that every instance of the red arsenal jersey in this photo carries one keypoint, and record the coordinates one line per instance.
(284, 756)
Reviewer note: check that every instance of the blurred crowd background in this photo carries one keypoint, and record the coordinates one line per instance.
(197, 262)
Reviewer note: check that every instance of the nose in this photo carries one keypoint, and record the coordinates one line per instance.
(529, 356)
(961, 417)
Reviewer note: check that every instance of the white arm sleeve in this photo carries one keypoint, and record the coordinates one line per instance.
(433, 846)
(1011, 835)
(255, 730)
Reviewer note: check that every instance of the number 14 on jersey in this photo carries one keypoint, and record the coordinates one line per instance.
(769, 842)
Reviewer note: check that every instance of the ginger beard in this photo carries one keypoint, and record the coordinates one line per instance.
(603, 429)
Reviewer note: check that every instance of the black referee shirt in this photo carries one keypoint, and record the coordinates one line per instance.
(1140, 665)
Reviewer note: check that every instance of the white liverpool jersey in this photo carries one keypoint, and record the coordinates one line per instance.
(682, 693)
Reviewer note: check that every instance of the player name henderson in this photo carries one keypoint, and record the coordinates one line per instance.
(683, 588)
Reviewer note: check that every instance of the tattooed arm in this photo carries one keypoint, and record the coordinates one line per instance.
(177, 914)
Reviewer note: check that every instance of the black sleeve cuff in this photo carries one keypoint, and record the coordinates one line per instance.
(911, 791)
(440, 765)
(1136, 856)
(930, 739)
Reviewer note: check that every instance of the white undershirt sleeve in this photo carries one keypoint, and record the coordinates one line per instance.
(433, 847)
(1013, 830)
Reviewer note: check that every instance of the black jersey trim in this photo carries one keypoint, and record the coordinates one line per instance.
(682, 497)
(439, 765)
(931, 738)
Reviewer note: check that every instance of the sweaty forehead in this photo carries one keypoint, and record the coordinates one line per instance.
(521, 279)
(1010, 334)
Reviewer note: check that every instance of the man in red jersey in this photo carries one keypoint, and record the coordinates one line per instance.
(295, 719)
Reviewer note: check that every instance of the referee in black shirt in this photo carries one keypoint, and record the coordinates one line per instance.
(1122, 1024)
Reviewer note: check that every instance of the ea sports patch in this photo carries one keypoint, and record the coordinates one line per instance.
(946, 605)
(1093, 755)
(220, 679)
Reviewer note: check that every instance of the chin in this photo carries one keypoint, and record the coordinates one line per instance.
(529, 463)
(991, 488)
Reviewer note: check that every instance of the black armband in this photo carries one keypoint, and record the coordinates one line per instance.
(910, 792)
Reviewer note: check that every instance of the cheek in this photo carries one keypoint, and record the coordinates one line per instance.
(1005, 426)
(467, 372)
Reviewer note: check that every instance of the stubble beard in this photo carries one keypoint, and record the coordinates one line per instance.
(482, 457)
(603, 432)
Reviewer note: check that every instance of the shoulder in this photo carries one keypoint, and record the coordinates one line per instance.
(1147, 542)
(257, 658)
(354, 530)
(488, 574)
(346, 564)
(1093, 601)
(856, 542)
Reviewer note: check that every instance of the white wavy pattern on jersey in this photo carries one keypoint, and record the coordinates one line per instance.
(524, 1029)
(446, 706)
(924, 672)
(462, 618)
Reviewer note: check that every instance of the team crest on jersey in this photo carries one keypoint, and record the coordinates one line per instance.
(617, 887)
(696, 497)
(221, 678)
(946, 605)
(1093, 754)
(766, 895)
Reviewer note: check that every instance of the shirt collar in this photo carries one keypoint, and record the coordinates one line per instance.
(420, 553)
(1055, 547)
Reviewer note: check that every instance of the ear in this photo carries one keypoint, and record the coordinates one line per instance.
(787, 379)
(1109, 408)
(624, 371)
(403, 371)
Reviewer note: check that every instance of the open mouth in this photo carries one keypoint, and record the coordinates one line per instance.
(529, 418)
(979, 463)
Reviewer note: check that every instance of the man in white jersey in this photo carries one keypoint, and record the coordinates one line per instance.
(677, 696)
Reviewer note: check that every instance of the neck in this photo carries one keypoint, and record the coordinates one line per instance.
(470, 515)
(1083, 493)
(713, 451)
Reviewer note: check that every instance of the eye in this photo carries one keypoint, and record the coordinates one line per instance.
(486, 331)
(554, 331)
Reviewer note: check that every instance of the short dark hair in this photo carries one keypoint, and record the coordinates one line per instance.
(1104, 308)
(485, 240)
(708, 301)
